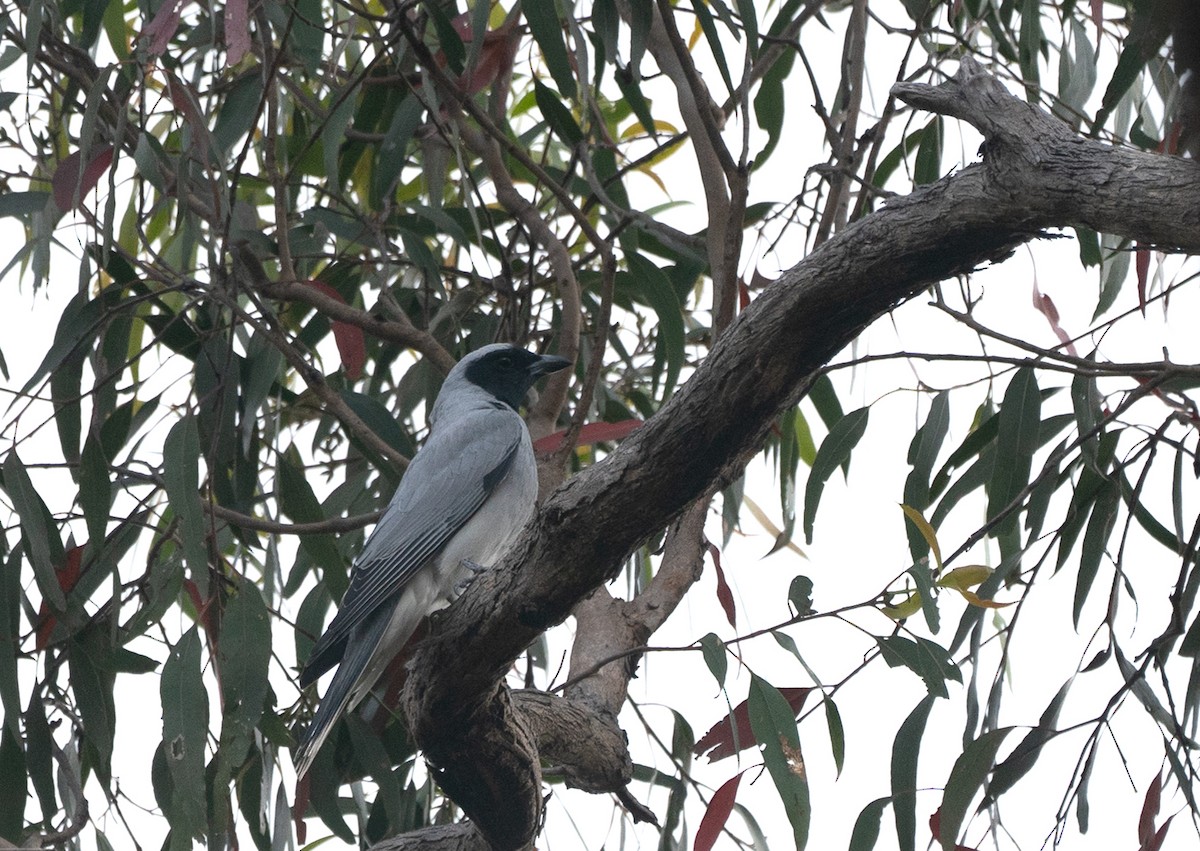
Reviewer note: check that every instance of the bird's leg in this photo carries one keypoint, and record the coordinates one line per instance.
(474, 569)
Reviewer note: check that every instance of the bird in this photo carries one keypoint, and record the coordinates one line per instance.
(463, 499)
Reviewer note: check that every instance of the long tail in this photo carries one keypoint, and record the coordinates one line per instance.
(361, 646)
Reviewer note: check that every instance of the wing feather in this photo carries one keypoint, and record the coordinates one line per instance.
(446, 483)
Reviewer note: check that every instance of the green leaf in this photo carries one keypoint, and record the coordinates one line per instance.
(42, 542)
(835, 451)
(922, 454)
(837, 733)
(95, 490)
(928, 660)
(770, 104)
(10, 641)
(968, 774)
(181, 454)
(243, 658)
(13, 788)
(297, 501)
(823, 395)
(185, 725)
(774, 726)
(372, 412)
(238, 110)
(1114, 269)
(92, 679)
(1095, 540)
(542, 17)
(713, 650)
(23, 203)
(560, 119)
(1016, 441)
(750, 24)
(391, 154)
(652, 284)
(928, 166)
(713, 37)
(39, 753)
(1089, 246)
(800, 595)
(1025, 755)
(905, 750)
(866, 826)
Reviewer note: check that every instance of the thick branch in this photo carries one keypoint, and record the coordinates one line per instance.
(1036, 175)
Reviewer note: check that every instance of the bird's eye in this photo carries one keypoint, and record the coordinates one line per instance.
(505, 361)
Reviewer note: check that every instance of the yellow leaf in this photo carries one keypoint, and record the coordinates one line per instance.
(639, 129)
(918, 519)
(906, 609)
(765, 522)
(967, 576)
(975, 600)
(695, 36)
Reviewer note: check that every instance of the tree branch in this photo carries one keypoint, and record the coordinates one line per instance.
(1036, 175)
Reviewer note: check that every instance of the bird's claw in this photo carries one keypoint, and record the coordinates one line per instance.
(475, 569)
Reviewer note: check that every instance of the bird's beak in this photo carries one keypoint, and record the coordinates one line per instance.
(547, 364)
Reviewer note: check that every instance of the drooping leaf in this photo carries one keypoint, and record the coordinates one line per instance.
(297, 500)
(560, 119)
(185, 724)
(922, 454)
(1095, 540)
(716, 814)
(970, 770)
(837, 733)
(866, 826)
(713, 650)
(1025, 755)
(733, 733)
(905, 751)
(1016, 441)
(13, 788)
(656, 290)
(181, 454)
(928, 660)
(42, 542)
(547, 32)
(773, 721)
(835, 451)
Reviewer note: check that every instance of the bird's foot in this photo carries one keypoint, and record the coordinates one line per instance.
(474, 569)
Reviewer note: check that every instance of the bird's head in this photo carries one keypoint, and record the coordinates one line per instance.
(503, 371)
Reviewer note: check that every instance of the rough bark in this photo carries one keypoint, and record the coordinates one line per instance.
(1036, 174)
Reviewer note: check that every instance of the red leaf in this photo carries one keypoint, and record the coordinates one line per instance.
(1098, 17)
(237, 31)
(68, 577)
(162, 27)
(1160, 835)
(1045, 305)
(203, 610)
(718, 741)
(299, 808)
(186, 102)
(1142, 264)
(743, 295)
(589, 434)
(351, 344)
(67, 180)
(717, 814)
(724, 595)
(1149, 812)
